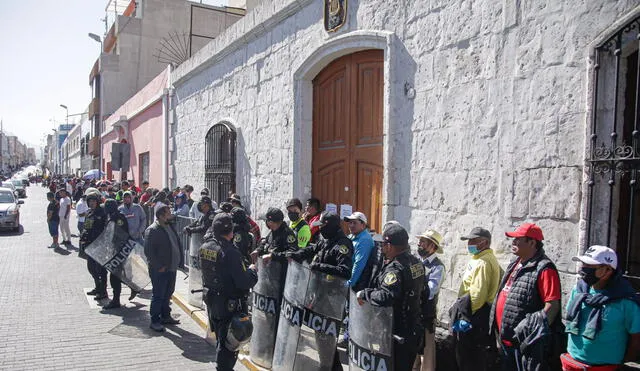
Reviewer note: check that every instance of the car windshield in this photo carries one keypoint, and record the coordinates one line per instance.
(17, 182)
(6, 197)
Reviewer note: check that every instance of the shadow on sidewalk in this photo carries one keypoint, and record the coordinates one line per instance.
(61, 251)
(135, 324)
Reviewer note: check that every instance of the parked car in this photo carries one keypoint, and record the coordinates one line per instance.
(25, 182)
(8, 184)
(9, 210)
(20, 189)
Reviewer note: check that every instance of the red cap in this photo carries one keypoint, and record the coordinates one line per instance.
(527, 230)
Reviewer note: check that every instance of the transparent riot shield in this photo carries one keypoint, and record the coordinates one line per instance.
(267, 294)
(127, 261)
(370, 336)
(310, 318)
(195, 274)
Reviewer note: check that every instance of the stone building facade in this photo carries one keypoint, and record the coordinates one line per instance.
(486, 115)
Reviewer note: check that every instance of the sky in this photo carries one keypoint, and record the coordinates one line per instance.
(45, 62)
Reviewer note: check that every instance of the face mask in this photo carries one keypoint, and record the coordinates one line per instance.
(293, 216)
(473, 249)
(589, 275)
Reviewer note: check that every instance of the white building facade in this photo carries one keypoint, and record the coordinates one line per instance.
(438, 114)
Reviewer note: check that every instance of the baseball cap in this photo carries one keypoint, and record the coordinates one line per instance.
(598, 255)
(527, 230)
(396, 235)
(273, 214)
(434, 237)
(222, 223)
(326, 217)
(475, 233)
(356, 216)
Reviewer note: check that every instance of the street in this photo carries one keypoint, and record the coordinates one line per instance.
(47, 321)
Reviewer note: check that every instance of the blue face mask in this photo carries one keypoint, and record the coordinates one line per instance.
(473, 249)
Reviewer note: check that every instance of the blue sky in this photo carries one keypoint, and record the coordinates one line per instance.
(45, 61)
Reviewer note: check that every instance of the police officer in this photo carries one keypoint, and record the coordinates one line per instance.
(120, 238)
(280, 240)
(226, 281)
(298, 224)
(333, 253)
(399, 284)
(204, 222)
(242, 238)
(94, 224)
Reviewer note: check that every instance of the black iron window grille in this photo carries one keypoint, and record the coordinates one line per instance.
(613, 161)
(220, 162)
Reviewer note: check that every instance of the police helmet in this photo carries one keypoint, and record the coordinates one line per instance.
(238, 215)
(239, 333)
(111, 206)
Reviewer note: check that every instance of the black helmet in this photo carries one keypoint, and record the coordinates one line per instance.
(111, 206)
(239, 333)
(238, 215)
(203, 200)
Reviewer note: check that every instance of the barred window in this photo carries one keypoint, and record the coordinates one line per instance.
(220, 162)
(613, 159)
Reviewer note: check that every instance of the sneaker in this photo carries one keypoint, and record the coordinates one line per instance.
(155, 326)
(54, 246)
(113, 304)
(169, 321)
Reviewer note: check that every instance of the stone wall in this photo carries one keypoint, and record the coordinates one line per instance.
(494, 136)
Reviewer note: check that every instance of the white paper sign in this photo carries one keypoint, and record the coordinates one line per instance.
(345, 210)
(331, 207)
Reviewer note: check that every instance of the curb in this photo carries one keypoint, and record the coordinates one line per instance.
(200, 317)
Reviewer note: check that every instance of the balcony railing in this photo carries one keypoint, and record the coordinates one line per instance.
(94, 107)
(94, 146)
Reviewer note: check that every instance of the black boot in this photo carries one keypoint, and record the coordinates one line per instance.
(101, 295)
(92, 292)
(133, 294)
(113, 304)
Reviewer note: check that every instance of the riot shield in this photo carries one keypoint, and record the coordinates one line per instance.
(370, 336)
(128, 261)
(310, 318)
(267, 294)
(195, 274)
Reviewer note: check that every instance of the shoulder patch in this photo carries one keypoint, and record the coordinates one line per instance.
(119, 222)
(291, 238)
(390, 278)
(344, 250)
(237, 238)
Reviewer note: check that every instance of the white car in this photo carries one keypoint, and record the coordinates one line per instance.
(9, 210)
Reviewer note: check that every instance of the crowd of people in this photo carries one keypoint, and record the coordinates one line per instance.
(516, 311)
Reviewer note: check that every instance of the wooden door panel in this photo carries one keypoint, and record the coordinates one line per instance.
(369, 192)
(333, 108)
(368, 128)
(331, 182)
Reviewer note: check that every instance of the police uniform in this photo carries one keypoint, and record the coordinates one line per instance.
(226, 281)
(120, 238)
(94, 224)
(242, 239)
(203, 224)
(400, 284)
(278, 243)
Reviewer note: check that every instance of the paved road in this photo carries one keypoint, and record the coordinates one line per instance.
(47, 321)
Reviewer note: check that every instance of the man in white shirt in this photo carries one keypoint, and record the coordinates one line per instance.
(65, 213)
(81, 211)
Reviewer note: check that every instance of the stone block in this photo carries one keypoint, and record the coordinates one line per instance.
(555, 193)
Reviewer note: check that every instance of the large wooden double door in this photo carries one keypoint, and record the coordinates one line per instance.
(347, 134)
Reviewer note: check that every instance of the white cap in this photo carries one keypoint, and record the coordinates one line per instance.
(598, 255)
(356, 216)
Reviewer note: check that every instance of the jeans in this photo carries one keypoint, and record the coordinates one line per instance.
(80, 228)
(164, 284)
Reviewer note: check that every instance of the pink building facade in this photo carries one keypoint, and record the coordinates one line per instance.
(142, 123)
